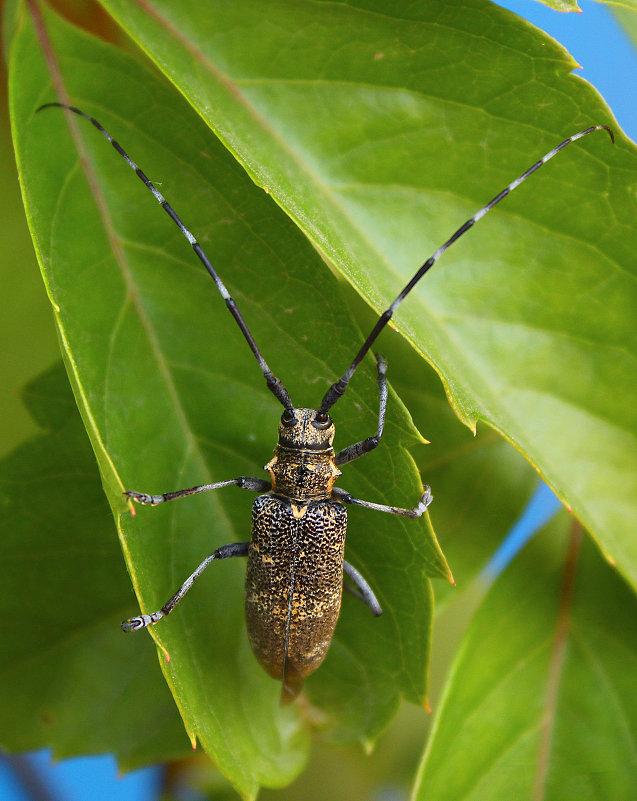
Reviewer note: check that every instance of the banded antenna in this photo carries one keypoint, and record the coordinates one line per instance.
(275, 385)
(337, 390)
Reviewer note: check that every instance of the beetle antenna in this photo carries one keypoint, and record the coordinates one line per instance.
(275, 385)
(337, 389)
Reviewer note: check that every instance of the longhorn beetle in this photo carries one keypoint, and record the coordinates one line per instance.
(296, 552)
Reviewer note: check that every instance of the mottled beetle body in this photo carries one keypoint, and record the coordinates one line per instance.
(295, 556)
(294, 584)
(294, 578)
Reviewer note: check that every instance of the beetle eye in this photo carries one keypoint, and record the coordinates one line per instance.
(321, 420)
(288, 418)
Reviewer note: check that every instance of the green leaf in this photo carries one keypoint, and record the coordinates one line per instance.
(562, 5)
(69, 679)
(171, 397)
(480, 482)
(541, 701)
(626, 7)
(379, 129)
(628, 19)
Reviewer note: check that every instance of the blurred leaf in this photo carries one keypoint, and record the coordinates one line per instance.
(625, 8)
(70, 680)
(626, 16)
(379, 130)
(10, 16)
(562, 5)
(156, 363)
(541, 702)
(29, 344)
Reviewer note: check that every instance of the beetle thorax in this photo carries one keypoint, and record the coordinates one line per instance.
(303, 467)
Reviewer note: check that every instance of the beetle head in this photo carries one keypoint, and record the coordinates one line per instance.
(308, 429)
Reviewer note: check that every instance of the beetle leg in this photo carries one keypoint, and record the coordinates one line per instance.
(366, 445)
(425, 499)
(243, 482)
(363, 591)
(225, 552)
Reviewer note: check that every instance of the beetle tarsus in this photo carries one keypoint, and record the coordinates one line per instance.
(144, 498)
(139, 622)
